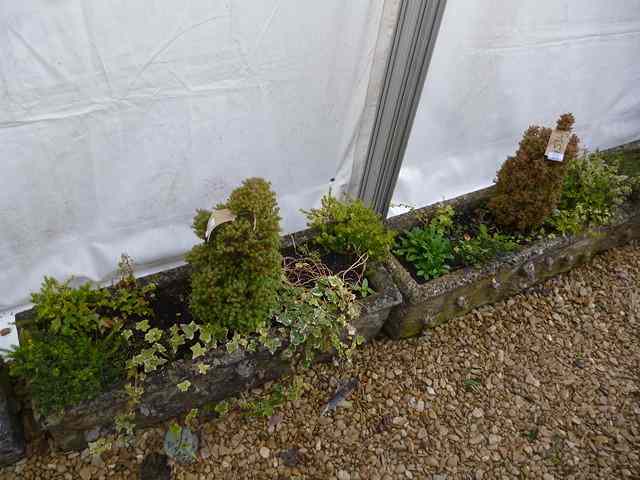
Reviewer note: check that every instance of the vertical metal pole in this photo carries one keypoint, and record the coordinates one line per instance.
(413, 44)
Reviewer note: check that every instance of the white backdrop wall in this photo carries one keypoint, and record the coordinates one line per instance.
(119, 118)
(501, 65)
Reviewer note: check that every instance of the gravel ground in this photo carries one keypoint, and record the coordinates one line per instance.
(544, 385)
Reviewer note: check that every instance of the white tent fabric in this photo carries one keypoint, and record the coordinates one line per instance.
(500, 66)
(118, 119)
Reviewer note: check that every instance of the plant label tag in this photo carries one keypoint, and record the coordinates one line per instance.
(217, 218)
(558, 142)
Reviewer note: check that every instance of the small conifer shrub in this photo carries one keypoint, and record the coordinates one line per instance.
(528, 186)
(238, 271)
(350, 228)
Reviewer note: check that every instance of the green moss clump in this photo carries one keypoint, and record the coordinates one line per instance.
(65, 370)
(528, 186)
(73, 349)
(350, 228)
(238, 271)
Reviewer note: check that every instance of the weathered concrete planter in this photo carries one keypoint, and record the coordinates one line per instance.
(12, 446)
(230, 374)
(462, 290)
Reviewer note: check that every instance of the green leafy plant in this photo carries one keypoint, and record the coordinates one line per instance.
(317, 319)
(278, 395)
(568, 222)
(363, 288)
(237, 272)
(628, 162)
(472, 385)
(74, 349)
(65, 370)
(528, 186)
(427, 249)
(100, 446)
(350, 228)
(442, 221)
(592, 191)
(484, 246)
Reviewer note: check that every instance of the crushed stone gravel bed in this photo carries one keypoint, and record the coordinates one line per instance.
(544, 385)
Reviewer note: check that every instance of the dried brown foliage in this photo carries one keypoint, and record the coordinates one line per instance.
(528, 186)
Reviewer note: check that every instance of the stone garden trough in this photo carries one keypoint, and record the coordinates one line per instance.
(460, 291)
(230, 375)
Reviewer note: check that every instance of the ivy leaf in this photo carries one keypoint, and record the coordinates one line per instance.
(207, 333)
(198, 350)
(175, 429)
(184, 386)
(176, 339)
(271, 343)
(153, 335)
(190, 329)
(234, 344)
(202, 368)
(127, 334)
(143, 326)
(149, 359)
(176, 342)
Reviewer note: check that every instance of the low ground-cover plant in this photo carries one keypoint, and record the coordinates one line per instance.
(428, 250)
(528, 186)
(484, 246)
(427, 247)
(74, 349)
(350, 228)
(64, 370)
(442, 244)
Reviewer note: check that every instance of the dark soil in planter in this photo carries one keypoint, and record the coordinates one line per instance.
(336, 263)
(171, 302)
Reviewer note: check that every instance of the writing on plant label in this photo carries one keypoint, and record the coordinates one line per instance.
(558, 142)
(217, 218)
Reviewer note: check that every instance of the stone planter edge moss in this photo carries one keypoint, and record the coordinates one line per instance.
(455, 294)
(230, 375)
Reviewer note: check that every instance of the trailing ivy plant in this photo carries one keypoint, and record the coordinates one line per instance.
(350, 228)
(276, 397)
(317, 319)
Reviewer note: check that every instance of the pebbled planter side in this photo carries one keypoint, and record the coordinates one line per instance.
(459, 292)
(12, 447)
(230, 374)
